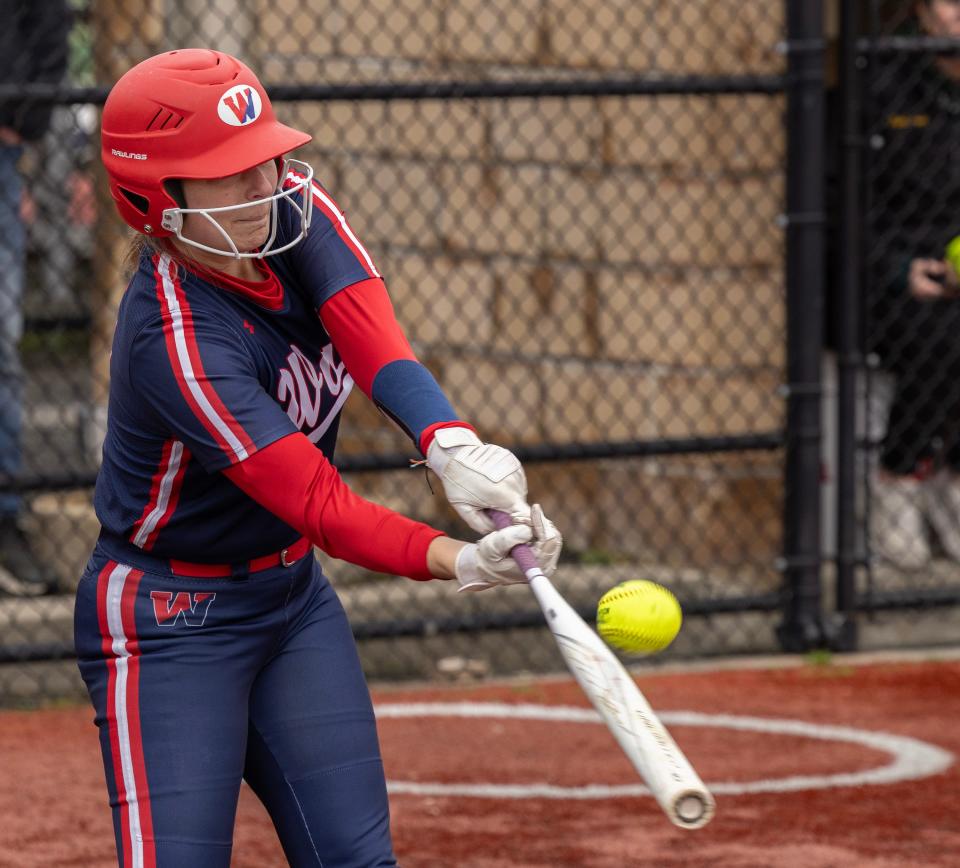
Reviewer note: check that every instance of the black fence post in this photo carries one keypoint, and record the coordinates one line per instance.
(848, 273)
(802, 625)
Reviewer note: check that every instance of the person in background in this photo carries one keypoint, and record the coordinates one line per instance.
(914, 312)
(65, 205)
(33, 50)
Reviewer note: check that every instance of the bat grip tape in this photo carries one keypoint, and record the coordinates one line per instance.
(522, 554)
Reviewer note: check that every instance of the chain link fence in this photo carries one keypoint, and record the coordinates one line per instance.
(576, 208)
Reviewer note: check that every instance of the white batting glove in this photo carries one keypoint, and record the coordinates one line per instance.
(478, 476)
(487, 563)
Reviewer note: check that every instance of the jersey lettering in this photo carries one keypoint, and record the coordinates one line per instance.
(303, 386)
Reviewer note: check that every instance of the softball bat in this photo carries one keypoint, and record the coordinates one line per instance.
(644, 739)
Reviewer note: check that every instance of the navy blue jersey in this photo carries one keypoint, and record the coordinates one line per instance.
(204, 375)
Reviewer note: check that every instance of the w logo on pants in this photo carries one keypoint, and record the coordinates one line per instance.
(168, 609)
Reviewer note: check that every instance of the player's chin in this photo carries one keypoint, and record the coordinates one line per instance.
(249, 235)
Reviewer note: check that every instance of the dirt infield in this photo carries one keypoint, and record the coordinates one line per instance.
(53, 800)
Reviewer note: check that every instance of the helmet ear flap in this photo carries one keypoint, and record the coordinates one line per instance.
(142, 207)
(141, 203)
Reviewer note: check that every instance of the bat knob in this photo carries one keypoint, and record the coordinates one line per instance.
(692, 811)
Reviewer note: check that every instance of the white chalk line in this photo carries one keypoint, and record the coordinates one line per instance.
(911, 758)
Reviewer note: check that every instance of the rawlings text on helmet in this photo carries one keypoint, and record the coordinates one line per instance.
(126, 155)
(240, 105)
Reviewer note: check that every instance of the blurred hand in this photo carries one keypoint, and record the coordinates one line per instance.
(28, 207)
(82, 209)
(932, 278)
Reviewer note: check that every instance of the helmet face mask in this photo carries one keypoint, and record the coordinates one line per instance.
(195, 114)
(300, 173)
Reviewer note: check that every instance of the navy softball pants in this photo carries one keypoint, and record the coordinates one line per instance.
(198, 683)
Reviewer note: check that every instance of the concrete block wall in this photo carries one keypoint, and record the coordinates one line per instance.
(581, 269)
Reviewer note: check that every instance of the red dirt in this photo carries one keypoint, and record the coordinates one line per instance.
(53, 799)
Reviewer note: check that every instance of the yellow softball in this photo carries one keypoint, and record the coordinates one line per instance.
(952, 254)
(638, 616)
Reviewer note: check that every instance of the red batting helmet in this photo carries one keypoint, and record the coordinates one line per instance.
(191, 113)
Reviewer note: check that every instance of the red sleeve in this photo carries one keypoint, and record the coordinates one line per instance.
(293, 479)
(426, 438)
(364, 329)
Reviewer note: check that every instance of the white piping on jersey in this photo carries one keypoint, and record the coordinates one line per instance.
(323, 197)
(345, 389)
(163, 495)
(119, 646)
(176, 316)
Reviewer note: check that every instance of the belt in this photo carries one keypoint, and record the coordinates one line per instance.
(285, 557)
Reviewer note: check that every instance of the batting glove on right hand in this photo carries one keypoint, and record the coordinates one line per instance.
(487, 563)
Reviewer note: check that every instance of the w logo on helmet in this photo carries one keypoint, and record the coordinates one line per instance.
(240, 105)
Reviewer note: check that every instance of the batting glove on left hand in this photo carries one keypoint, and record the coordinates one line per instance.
(487, 563)
(478, 476)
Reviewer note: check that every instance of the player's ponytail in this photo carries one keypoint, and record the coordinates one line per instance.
(139, 245)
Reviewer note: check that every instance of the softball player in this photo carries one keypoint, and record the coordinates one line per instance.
(212, 646)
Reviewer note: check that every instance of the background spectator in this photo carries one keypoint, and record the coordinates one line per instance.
(914, 303)
(33, 49)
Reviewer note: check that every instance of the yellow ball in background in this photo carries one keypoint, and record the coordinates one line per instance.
(638, 616)
(952, 254)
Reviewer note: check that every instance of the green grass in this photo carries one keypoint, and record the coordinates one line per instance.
(820, 663)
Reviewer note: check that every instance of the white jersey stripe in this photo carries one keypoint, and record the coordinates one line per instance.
(163, 496)
(186, 366)
(326, 200)
(115, 585)
(323, 197)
